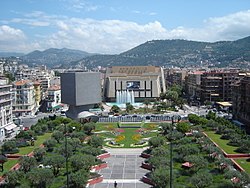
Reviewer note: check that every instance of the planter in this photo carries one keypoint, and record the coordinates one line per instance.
(16, 167)
(146, 166)
(13, 156)
(95, 180)
(103, 156)
(240, 155)
(146, 180)
(145, 155)
(99, 167)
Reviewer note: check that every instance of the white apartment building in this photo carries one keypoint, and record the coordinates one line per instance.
(53, 98)
(24, 98)
(6, 120)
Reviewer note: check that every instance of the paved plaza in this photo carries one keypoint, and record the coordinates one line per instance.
(124, 168)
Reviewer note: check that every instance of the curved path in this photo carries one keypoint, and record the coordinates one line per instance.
(124, 168)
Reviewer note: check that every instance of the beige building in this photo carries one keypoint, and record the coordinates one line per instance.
(38, 93)
(146, 82)
(24, 98)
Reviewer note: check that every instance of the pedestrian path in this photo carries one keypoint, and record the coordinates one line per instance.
(124, 168)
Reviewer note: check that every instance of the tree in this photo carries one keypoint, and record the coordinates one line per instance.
(27, 163)
(9, 147)
(13, 178)
(183, 127)
(40, 177)
(81, 161)
(146, 102)
(165, 128)
(201, 179)
(3, 159)
(49, 144)
(91, 150)
(88, 127)
(79, 179)
(186, 150)
(58, 136)
(75, 143)
(39, 153)
(95, 141)
(161, 177)
(56, 161)
(198, 162)
(129, 107)
(156, 141)
(158, 161)
(115, 109)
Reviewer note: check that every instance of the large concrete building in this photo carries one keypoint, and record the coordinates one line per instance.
(147, 82)
(81, 91)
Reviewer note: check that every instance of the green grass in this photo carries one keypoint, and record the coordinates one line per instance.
(8, 165)
(244, 164)
(221, 143)
(38, 142)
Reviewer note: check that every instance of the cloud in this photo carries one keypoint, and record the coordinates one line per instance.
(10, 34)
(116, 36)
(81, 5)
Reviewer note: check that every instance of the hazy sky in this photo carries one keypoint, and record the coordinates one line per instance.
(114, 26)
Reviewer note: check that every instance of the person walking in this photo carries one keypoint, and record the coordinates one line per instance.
(115, 185)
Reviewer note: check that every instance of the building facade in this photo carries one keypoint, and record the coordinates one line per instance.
(53, 98)
(217, 85)
(24, 102)
(6, 119)
(241, 101)
(146, 82)
(81, 91)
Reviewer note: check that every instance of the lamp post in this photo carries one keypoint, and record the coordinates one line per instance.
(174, 119)
(66, 153)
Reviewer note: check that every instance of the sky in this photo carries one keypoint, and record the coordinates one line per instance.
(115, 26)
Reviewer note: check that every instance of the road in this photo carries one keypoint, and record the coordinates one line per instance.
(28, 121)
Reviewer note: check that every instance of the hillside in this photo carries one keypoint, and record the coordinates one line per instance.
(54, 57)
(178, 53)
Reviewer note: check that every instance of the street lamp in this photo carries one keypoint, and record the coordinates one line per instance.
(174, 119)
(66, 153)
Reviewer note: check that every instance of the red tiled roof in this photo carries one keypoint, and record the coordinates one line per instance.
(21, 82)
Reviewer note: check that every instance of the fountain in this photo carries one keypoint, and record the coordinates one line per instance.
(125, 96)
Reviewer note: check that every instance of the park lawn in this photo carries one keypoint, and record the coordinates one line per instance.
(8, 165)
(128, 133)
(104, 126)
(40, 139)
(221, 143)
(244, 164)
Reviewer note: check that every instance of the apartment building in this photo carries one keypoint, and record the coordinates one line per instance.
(53, 99)
(241, 101)
(6, 120)
(218, 85)
(24, 102)
(193, 85)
